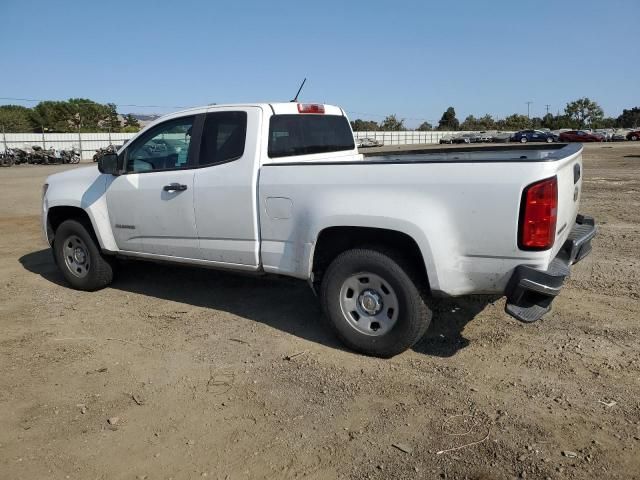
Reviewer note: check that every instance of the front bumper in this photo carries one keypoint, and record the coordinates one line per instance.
(531, 291)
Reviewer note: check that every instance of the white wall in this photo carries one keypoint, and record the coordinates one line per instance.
(90, 142)
(408, 137)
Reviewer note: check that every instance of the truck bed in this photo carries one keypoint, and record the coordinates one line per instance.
(543, 152)
(461, 205)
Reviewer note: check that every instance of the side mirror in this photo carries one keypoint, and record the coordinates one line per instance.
(108, 164)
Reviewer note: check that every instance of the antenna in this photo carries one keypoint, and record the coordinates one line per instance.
(295, 99)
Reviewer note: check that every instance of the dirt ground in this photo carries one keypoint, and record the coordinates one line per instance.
(208, 374)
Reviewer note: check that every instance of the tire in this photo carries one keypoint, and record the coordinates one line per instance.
(74, 243)
(549, 139)
(523, 140)
(404, 315)
(634, 138)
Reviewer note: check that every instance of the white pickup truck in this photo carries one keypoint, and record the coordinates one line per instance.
(281, 189)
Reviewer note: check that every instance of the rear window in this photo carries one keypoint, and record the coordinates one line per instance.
(305, 134)
(223, 137)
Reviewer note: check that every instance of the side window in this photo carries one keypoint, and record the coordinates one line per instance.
(165, 147)
(223, 137)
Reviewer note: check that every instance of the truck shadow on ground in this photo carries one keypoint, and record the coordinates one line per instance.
(286, 304)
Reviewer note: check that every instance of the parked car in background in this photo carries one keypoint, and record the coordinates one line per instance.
(579, 136)
(446, 140)
(368, 142)
(619, 136)
(501, 137)
(607, 133)
(464, 138)
(633, 135)
(484, 137)
(524, 136)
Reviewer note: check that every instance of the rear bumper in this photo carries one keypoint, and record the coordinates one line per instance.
(530, 292)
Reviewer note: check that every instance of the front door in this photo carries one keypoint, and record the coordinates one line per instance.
(151, 204)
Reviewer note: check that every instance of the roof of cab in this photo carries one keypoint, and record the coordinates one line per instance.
(278, 108)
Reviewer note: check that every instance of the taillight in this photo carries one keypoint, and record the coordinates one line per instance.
(538, 215)
(310, 108)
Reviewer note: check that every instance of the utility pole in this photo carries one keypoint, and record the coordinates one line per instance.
(79, 133)
(528, 107)
(547, 106)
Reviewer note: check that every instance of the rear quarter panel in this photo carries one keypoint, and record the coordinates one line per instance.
(463, 216)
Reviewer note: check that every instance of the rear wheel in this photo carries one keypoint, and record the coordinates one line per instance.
(374, 302)
(79, 258)
(634, 137)
(549, 139)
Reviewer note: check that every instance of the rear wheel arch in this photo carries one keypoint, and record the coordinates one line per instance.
(333, 241)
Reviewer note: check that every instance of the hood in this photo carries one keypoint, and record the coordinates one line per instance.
(79, 187)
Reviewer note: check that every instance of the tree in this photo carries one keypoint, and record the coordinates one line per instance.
(76, 114)
(449, 120)
(112, 122)
(478, 124)
(469, 123)
(392, 124)
(55, 116)
(584, 112)
(514, 122)
(548, 121)
(630, 118)
(15, 119)
(364, 125)
(605, 122)
(131, 123)
(425, 127)
(536, 122)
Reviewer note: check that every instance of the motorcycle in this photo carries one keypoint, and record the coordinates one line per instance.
(103, 151)
(7, 158)
(20, 156)
(70, 156)
(40, 156)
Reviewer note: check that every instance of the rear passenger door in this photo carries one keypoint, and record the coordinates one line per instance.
(225, 187)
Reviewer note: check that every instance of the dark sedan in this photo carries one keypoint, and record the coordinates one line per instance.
(524, 136)
(580, 136)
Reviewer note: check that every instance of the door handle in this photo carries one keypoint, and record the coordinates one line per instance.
(174, 187)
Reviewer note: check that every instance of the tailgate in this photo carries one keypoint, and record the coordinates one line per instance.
(569, 176)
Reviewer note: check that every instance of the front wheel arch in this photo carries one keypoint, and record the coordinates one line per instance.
(57, 215)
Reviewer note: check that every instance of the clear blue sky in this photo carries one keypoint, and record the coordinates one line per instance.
(413, 58)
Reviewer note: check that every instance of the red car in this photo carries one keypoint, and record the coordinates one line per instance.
(580, 136)
(635, 135)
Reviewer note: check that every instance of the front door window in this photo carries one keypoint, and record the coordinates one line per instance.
(165, 147)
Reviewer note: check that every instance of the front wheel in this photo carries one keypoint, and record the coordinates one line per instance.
(549, 139)
(523, 140)
(634, 138)
(79, 258)
(374, 302)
